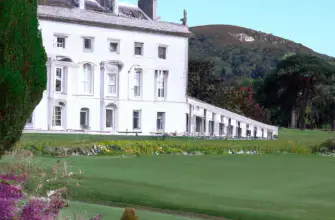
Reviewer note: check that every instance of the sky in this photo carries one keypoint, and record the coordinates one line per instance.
(309, 22)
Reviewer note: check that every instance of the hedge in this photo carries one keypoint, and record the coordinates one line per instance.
(140, 148)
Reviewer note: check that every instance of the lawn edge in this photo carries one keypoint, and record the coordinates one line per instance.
(154, 210)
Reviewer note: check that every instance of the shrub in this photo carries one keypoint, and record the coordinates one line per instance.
(327, 146)
(16, 205)
(22, 178)
(139, 148)
(129, 214)
(22, 68)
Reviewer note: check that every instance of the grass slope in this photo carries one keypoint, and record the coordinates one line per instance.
(258, 187)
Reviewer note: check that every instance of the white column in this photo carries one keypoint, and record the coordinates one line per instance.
(207, 124)
(234, 123)
(265, 133)
(194, 125)
(251, 128)
(217, 121)
(243, 129)
(190, 121)
(51, 91)
(102, 96)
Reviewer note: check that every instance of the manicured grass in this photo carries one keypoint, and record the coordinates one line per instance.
(286, 137)
(258, 187)
(90, 210)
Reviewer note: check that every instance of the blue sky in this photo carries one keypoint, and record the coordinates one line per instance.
(309, 22)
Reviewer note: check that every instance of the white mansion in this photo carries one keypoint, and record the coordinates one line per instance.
(116, 68)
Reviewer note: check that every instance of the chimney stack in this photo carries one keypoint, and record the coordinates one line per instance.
(82, 4)
(149, 7)
(115, 6)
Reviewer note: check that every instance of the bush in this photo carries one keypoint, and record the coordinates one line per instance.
(171, 147)
(22, 68)
(139, 148)
(29, 192)
(327, 146)
(129, 214)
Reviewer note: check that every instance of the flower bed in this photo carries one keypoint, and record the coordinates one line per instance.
(166, 147)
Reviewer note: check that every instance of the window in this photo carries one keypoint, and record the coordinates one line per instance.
(114, 46)
(162, 52)
(139, 49)
(87, 82)
(137, 82)
(187, 123)
(109, 118)
(88, 44)
(59, 80)
(57, 116)
(160, 126)
(161, 83)
(84, 118)
(248, 131)
(111, 83)
(136, 119)
(211, 127)
(61, 42)
(221, 129)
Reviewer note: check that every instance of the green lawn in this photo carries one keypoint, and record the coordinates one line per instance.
(286, 137)
(90, 210)
(258, 187)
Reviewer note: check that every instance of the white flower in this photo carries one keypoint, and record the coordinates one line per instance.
(50, 193)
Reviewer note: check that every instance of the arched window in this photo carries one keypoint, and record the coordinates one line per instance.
(87, 80)
(84, 118)
(57, 116)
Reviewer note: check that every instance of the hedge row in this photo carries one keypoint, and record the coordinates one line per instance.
(138, 147)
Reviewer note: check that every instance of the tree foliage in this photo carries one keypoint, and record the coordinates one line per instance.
(203, 85)
(22, 68)
(201, 82)
(294, 86)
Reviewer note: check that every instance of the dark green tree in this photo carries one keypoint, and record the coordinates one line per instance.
(292, 87)
(324, 104)
(202, 84)
(22, 68)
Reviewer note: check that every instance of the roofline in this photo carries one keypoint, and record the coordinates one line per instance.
(107, 25)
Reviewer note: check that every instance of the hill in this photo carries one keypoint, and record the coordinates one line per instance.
(242, 54)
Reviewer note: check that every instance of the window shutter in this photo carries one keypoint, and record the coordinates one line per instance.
(131, 82)
(90, 79)
(155, 86)
(65, 79)
(166, 74)
(163, 121)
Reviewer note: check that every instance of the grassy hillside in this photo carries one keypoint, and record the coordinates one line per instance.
(241, 53)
